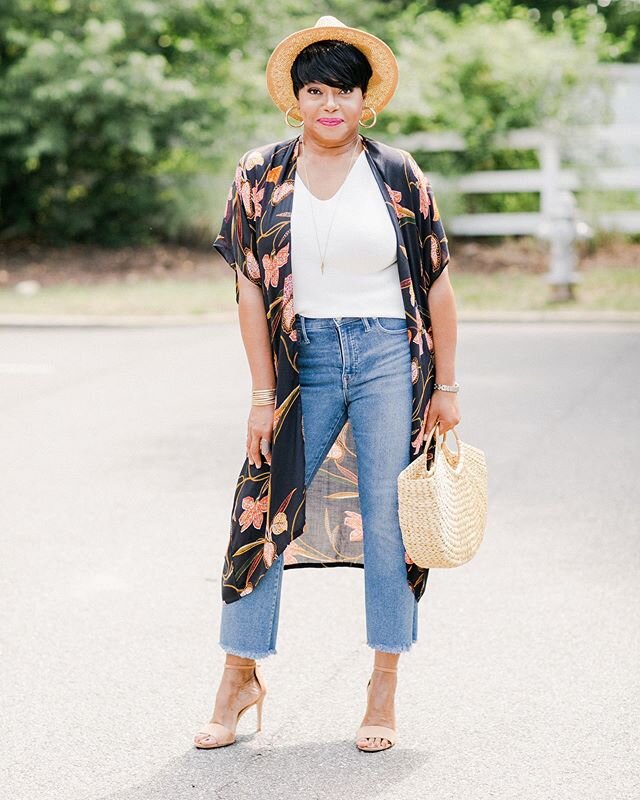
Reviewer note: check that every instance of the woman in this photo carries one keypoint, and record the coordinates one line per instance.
(346, 387)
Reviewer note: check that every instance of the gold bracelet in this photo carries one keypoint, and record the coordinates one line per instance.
(263, 397)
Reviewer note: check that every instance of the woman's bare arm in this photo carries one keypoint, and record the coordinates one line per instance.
(444, 327)
(254, 329)
(444, 332)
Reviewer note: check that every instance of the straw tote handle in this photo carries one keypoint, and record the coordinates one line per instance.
(436, 430)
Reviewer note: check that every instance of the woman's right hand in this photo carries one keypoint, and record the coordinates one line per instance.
(259, 426)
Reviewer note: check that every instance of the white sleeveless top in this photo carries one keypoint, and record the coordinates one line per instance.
(360, 276)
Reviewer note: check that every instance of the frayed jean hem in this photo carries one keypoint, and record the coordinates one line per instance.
(402, 648)
(248, 653)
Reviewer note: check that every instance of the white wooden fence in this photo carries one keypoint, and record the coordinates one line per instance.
(557, 219)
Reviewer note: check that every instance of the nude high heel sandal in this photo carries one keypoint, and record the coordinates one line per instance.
(223, 735)
(379, 731)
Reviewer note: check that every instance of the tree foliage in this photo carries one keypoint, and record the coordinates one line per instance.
(106, 106)
(115, 116)
(616, 22)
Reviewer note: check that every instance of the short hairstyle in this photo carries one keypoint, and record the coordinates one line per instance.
(333, 62)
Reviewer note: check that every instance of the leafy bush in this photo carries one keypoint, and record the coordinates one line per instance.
(107, 109)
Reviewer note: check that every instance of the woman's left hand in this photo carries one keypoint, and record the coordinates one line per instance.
(443, 408)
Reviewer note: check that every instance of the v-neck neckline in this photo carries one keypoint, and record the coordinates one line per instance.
(335, 194)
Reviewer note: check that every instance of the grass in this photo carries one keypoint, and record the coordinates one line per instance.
(601, 289)
(610, 289)
(145, 296)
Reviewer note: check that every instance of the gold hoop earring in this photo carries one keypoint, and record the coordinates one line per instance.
(286, 118)
(375, 117)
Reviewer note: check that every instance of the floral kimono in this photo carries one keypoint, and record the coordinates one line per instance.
(273, 514)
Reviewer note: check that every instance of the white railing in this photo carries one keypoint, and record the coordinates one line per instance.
(558, 219)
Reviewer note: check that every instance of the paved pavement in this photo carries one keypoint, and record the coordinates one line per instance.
(566, 314)
(120, 450)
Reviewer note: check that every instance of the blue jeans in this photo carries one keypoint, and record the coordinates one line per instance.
(356, 368)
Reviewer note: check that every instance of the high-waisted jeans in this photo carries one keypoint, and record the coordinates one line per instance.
(356, 368)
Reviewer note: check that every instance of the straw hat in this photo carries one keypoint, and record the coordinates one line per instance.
(381, 86)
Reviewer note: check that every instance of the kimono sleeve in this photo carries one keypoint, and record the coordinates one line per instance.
(433, 239)
(436, 246)
(236, 241)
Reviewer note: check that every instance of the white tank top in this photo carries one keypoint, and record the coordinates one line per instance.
(360, 276)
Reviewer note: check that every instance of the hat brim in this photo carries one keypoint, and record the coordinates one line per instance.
(382, 84)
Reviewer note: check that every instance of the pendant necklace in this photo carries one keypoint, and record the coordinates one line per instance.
(311, 198)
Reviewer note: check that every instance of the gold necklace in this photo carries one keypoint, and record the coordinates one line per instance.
(337, 194)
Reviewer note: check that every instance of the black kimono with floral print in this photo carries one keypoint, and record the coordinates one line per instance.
(273, 514)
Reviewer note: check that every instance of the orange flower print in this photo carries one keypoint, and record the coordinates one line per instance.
(436, 212)
(396, 197)
(354, 521)
(253, 268)
(253, 159)
(420, 333)
(237, 178)
(290, 552)
(415, 370)
(288, 313)
(280, 192)
(273, 265)
(422, 187)
(253, 511)
(435, 250)
(279, 523)
(407, 284)
(424, 200)
(247, 589)
(269, 553)
(289, 558)
(256, 197)
(407, 558)
(427, 333)
(418, 441)
(245, 193)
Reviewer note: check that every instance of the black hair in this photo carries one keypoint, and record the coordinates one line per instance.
(333, 62)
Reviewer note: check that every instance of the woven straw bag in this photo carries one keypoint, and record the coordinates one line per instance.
(443, 510)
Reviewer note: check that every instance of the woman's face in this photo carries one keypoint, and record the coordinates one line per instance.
(320, 103)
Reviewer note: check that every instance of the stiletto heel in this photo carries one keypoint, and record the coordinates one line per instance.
(259, 712)
(223, 735)
(376, 731)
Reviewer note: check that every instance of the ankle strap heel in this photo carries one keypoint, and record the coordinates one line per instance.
(376, 731)
(220, 734)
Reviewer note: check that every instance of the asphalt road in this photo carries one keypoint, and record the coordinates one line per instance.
(120, 448)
